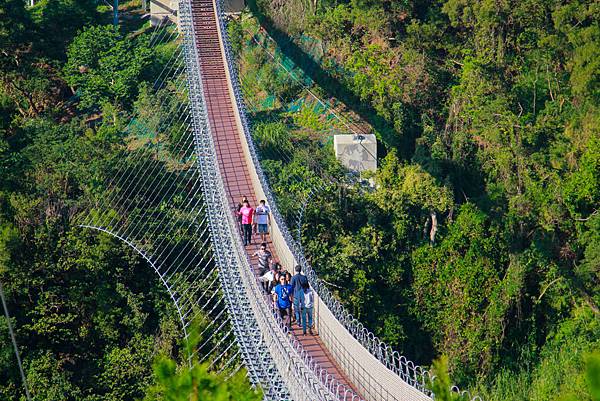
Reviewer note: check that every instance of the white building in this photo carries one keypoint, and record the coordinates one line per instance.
(356, 152)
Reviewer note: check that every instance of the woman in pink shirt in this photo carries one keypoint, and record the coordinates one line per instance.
(247, 214)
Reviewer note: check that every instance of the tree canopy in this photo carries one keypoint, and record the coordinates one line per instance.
(479, 238)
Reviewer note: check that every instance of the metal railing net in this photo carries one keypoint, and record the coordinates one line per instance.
(274, 358)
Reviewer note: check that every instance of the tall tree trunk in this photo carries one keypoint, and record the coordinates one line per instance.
(434, 227)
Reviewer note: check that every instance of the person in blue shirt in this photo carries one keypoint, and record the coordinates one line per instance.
(282, 294)
(299, 281)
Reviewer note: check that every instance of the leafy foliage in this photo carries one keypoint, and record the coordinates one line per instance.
(198, 383)
(104, 67)
(194, 381)
(441, 385)
(491, 123)
(88, 312)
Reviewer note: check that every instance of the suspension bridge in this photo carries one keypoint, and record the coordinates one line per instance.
(172, 200)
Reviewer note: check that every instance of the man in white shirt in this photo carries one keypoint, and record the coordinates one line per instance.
(263, 219)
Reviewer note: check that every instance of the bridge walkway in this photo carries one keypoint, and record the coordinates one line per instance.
(227, 138)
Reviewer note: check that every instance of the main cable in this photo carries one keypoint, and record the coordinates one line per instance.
(14, 342)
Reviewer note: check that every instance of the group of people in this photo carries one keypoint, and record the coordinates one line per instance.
(292, 296)
(251, 219)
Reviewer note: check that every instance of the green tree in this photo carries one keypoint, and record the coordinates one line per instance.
(457, 288)
(104, 67)
(81, 303)
(197, 382)
(49, 381)
(273, 139)
(15, 26)
(441, 385)
(58, 22)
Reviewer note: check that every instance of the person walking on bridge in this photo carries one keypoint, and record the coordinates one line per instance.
(264, 263)
(298, 282)
(237, 212)
(268, 279)
(247, 214)
(282, 294)
(264, 258)
(276, 269)
(263, 219)
(307, 309)
(278, 273)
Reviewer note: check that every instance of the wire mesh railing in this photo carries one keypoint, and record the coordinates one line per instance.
(152, 201)
(413, 374)
(269, 352)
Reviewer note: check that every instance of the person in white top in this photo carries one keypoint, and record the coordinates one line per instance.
(270, 278)
(266, 280)
(263, 219)
(307, 306)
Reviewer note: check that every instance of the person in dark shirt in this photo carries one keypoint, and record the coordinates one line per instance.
(237, 212)
(264, 259)
(298, 282)
(276, 268)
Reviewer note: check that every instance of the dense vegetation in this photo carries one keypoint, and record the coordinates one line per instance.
(489, 118)
(90, 315)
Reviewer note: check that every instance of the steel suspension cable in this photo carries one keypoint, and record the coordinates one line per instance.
(14, 342)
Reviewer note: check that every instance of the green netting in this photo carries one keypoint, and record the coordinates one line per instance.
(318, 108)
(284, 65)
(306, 80)
(295, 105)
(312, 46)
(287, 63)
(140, 130)
(269, 102)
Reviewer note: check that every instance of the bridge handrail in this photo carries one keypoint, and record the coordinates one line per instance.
(410, 372)
(407, 370)
(304, 377)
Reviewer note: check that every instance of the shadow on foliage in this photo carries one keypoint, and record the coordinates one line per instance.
(331, 85)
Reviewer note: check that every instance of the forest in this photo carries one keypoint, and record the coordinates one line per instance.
(91, 319)
(479, 242)
(488, 120)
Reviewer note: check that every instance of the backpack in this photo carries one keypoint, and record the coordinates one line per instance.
(309, 298)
